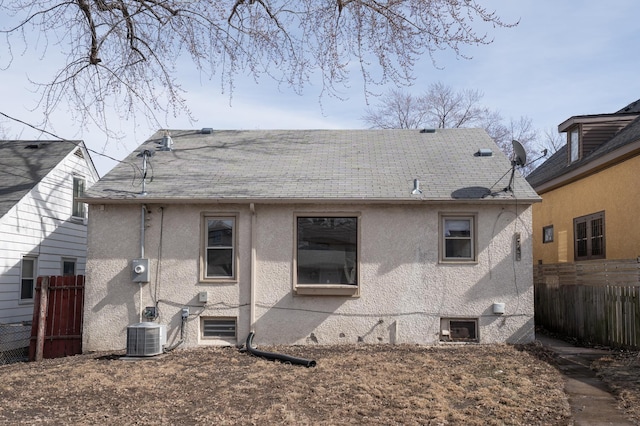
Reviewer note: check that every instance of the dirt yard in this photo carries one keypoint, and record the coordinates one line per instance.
(471, 385)
(622, 373)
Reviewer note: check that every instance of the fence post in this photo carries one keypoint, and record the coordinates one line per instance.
(42, 319)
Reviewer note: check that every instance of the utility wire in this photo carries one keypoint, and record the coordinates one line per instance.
(58, 137)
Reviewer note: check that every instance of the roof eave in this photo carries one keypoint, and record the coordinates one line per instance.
(420, 200)
(607, 160)
(599, 118)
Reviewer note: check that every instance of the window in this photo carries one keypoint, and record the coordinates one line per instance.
(547, 234)
(458, 330)
(219, 248)
(589, 241)
(68, 267)
(326, 255)
(27, 278)
(574, 144)
(218, 328)
(458, 238)
(78, 209)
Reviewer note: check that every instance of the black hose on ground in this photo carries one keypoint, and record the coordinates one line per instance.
(272, 356)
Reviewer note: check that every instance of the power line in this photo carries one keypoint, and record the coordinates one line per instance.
(58, 137)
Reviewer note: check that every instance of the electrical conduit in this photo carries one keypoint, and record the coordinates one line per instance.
(142, 219)
(252, 279)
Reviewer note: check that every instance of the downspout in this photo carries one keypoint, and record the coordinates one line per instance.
(143, 212)
(252, 308)
(252, 279)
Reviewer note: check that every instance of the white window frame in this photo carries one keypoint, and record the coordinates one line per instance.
(78, 209)
(68, 260)
(352, 290)
(574, 145)
(233, 277)
(472, 218)
(33, 278)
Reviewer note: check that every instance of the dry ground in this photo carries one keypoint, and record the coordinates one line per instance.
(358, 385)
(622, 373)
(471, 385)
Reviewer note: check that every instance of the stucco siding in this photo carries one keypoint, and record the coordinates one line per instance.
(614, 191)
(404, 289)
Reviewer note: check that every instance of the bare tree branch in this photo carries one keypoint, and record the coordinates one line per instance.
(290, 41)
(443, 107)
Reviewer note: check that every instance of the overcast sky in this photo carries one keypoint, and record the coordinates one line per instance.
(564, 58)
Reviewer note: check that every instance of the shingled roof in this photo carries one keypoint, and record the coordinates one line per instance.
(556, 166)
(315, 166)
(24, 163)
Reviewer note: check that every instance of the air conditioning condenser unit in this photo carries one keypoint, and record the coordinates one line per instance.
(146, 339)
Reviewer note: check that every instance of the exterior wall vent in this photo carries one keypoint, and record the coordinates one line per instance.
(146, 339)
(484, 152)
(219, 328)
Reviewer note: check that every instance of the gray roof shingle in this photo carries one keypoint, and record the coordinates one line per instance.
(24, 163)
(557, 164)
(314, 165)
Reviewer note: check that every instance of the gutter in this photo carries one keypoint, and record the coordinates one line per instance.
(305, 201)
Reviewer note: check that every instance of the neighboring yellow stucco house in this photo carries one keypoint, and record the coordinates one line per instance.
(590, 191)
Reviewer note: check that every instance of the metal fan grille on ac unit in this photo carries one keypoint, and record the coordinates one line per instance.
(145, 339)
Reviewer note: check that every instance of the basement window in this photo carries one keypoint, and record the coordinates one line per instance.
(221, 328)
(459, 330)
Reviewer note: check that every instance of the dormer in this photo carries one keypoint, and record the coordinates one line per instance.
(587, 132)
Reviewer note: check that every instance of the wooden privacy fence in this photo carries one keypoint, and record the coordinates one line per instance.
(595, 301)
(57, 317)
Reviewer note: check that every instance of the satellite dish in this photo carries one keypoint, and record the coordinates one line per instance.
(519, 154)
(519, 160)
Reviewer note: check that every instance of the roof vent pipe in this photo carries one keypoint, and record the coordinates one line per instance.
(167, 143)
(416, 187)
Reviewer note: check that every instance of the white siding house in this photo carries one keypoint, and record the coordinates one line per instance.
(43, 226)
(312, 237)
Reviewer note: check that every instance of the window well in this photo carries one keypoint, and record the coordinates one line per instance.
(459, 330)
